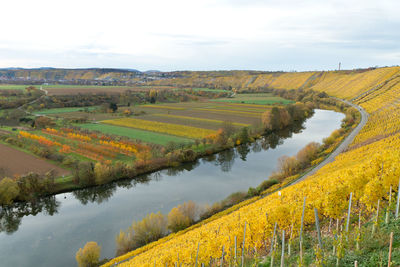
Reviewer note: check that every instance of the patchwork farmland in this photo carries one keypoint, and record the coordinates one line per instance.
(167, 122)
(174, 121)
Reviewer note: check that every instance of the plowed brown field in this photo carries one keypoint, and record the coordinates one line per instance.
(15, 162)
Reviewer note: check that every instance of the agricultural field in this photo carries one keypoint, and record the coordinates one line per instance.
(11, 158)
(194, 120)
(145, 136)
(258, 99)
(12, 87)
(88, 89)
(165, 122)
(91, 147)
(63, 110)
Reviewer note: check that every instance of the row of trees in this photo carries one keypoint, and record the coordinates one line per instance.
(288, 166)
(279, 118)
(26, 187)
(11, 99)
(126, 98)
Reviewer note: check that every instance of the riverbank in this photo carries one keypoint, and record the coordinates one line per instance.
(98, 213)
(287, 182)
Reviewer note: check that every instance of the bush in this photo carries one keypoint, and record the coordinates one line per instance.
(265, 185)
(177, 220)
(89, 255)
(140, 233)
(252, 192)
(9, 191)
(308, 154)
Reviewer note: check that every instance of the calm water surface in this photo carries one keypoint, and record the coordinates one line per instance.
(49, 232)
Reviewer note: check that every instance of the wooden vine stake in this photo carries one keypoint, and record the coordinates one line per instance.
(301, 230)
(390, 249)
(273, 252)
(222, 257)
(398, 201)
(376, 219)
(197, 253)
(273, 238)
(283, 249)
(348, 213)
(355, 263)
(318, 229)
(387, 217)
(235, 250)
(290, 240)
(244, 240)
(359, 231)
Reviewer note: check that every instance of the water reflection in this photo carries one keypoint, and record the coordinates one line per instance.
(103, 193)
(98, 213)
(11, 216)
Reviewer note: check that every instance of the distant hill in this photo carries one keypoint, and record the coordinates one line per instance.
(47, 74)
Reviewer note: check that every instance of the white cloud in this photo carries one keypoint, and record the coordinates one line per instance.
(186, 34)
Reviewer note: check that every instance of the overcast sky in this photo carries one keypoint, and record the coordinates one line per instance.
(200, 35)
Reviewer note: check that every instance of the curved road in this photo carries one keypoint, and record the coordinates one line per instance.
(343, 145)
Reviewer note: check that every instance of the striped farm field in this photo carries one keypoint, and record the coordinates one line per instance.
(258, 99)
(163, 107)
(145, 136)
(236, 112)
(63, 110)
(200, 119)
(245, 105)
(161, 127)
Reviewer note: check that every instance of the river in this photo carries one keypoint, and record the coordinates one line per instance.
(50, 231)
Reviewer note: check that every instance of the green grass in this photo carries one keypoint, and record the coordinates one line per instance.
(13, 86)
(145, 136)
(62, 110)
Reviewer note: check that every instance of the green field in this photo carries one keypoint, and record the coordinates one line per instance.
(12, 87)
(63, 110)
(145, 136)
(258, 99)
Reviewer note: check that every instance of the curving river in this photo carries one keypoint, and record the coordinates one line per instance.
(50, 231)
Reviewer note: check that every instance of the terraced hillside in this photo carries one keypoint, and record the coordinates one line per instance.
(368, 169)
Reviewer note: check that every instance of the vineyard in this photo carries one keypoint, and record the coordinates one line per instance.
(91, 146)
(369, 171)
(161, 127)
(179, 122)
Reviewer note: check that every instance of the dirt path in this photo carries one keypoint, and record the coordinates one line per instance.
(346, 142)
(34, 101)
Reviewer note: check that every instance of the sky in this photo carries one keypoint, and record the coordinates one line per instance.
(173, 35)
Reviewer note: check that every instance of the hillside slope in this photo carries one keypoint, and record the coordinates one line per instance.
(368, 169)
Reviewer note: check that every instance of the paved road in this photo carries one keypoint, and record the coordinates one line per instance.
(346, 142)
